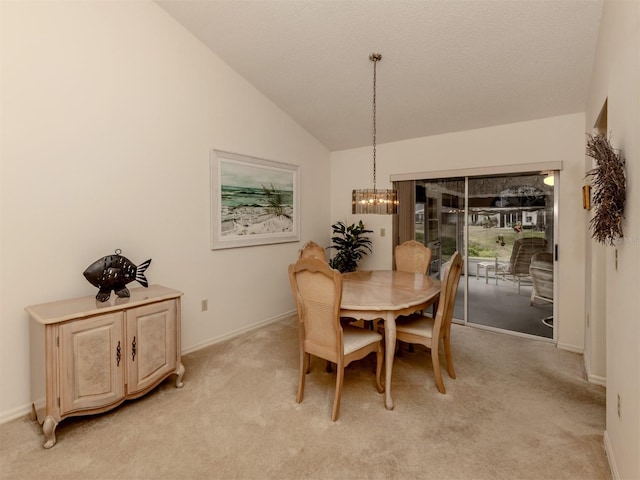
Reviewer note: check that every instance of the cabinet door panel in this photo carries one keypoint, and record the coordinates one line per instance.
(93, 374)
(151, 330)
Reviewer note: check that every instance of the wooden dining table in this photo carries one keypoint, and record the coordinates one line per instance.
(386, 295)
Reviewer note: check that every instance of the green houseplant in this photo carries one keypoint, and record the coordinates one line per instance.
(351, 245)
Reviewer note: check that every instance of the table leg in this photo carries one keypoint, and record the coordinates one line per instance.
(436, 303)
(389, 353)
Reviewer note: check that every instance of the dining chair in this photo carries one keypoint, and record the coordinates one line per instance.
(432, 331)
(317, 289)
(413, 257)
(312, 249)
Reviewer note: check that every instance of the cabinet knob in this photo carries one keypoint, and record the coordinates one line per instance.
(118, 354)
(133, 349)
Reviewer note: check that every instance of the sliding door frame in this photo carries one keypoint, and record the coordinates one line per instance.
(478, 171)
(467, 173)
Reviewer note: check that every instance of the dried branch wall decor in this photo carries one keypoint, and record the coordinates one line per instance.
(609, 189)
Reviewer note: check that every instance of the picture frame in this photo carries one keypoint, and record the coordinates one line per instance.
(254, 201)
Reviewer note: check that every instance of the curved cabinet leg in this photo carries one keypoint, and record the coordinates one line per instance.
(180, 372)
(49, 429)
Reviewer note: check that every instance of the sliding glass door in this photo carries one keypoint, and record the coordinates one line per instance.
(440, 210)
(510, 228)
(504, 227)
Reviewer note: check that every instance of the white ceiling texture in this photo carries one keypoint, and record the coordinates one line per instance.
(447, 65)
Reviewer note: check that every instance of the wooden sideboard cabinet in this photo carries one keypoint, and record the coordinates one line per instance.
(88, 357)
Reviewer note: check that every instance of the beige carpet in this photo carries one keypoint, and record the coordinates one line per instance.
(520, 409)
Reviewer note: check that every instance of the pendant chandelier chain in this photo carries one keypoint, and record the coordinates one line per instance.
(375, 57)
(367, 201)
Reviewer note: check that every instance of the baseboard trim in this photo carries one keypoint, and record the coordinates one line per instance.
(18, 412)
(592, 378)
(611, 457)
(570, 348)
(238, 332)
(597, 380)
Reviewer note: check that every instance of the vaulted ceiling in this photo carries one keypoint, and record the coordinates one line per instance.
(447, 65)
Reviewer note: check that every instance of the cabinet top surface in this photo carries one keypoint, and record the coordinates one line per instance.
(81, 307)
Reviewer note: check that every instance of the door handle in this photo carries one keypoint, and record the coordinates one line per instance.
(133, 349)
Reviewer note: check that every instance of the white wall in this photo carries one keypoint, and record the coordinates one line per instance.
(551, 139)
(109, 112)
(616, 77)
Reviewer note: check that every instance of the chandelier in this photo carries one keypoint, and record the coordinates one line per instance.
(364, 201)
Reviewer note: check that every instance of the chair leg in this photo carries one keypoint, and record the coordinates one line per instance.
(449, 357)
(336, 400)
(304, 369)
(436, 368)
(379, 361)
(399, 344)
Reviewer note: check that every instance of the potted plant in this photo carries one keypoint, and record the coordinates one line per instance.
(351, 245)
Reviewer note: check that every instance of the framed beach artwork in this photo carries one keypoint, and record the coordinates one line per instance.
(253, 201)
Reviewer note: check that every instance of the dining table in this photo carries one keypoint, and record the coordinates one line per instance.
(386, 295)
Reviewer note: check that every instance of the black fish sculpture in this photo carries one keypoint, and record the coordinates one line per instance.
(113, 272)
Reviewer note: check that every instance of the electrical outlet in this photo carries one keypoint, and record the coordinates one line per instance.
(382, 232)
(619, 407)
(204, 305)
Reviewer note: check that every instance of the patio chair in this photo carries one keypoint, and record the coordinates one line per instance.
(518, 267)
(541, 271)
